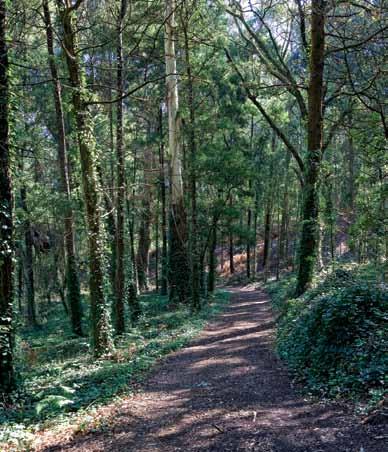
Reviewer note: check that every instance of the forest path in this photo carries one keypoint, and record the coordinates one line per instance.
(227, 391)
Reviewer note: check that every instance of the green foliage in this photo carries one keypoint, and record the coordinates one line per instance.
(63, 379)
(335, 337)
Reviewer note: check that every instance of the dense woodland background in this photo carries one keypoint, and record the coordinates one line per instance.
(161, 148)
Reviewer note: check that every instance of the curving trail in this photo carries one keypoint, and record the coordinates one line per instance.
(227, 391)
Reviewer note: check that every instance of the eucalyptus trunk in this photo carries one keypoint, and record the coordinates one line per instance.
(179, 272)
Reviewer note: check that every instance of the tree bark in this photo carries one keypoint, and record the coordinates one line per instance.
(231, 245)
(162, 182)
(309, 236)
(144, 243)
(72, 281)
(194, 255)
(7, 380)
(119, 291)
(212, 258)
(179, 272)
(28, 261)
(99, 315)
(267, 232)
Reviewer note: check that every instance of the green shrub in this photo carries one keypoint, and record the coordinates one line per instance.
(335, 337)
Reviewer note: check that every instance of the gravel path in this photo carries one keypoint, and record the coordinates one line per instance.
(227, 391)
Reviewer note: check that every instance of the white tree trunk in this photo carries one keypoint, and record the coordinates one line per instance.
(174, 133)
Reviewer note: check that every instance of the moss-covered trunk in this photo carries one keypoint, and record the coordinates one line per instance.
(87, 148)
(6, 223)
(119, 282)
(310, 224)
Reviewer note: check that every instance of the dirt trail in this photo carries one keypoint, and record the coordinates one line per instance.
(227, 391)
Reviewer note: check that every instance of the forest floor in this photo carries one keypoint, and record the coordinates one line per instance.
(227, 391)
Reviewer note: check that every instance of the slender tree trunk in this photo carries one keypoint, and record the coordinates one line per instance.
(119, 317)
(194, 255)
(179, 272)
(231, 245)
(212, 258)
(7, 380)
(144, 243)
(309, 236)
(28, 261)
(249, 226)
(20, 284)
(132, 291)
(162, 181)
(72, 281)
(267, 232)
(157, 251)
(231, 253)
(110, 223)
(99, 315)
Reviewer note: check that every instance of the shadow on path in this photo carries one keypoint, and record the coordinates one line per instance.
(227, 391)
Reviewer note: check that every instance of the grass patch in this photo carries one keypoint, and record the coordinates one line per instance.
(60, 378)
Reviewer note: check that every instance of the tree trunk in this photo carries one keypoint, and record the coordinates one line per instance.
(28, 261)
(144, 243)
(99, 315)
(157, 251)
(179, 273)
(72, 281)
(231, 253)
(267, 233)
(212, 258)
(7, 380)
(132, 292)
(309, 236)
(231, 245)
(119, 318)
(194, 255)
(162, 182)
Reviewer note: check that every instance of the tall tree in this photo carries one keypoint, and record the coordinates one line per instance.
(310, 204)
(120, 199)
(192, 145)
(28, 260)
(6, 222)
(179, 274)
(144, 242)
(87, 149)
(72, 281)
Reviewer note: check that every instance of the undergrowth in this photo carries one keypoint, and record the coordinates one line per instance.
(60, 378)
(335, 337)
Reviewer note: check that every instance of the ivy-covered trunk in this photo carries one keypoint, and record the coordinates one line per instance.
(119, 318)
(310, 204)
(72, 281)
(6, 223)
(87, 147)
